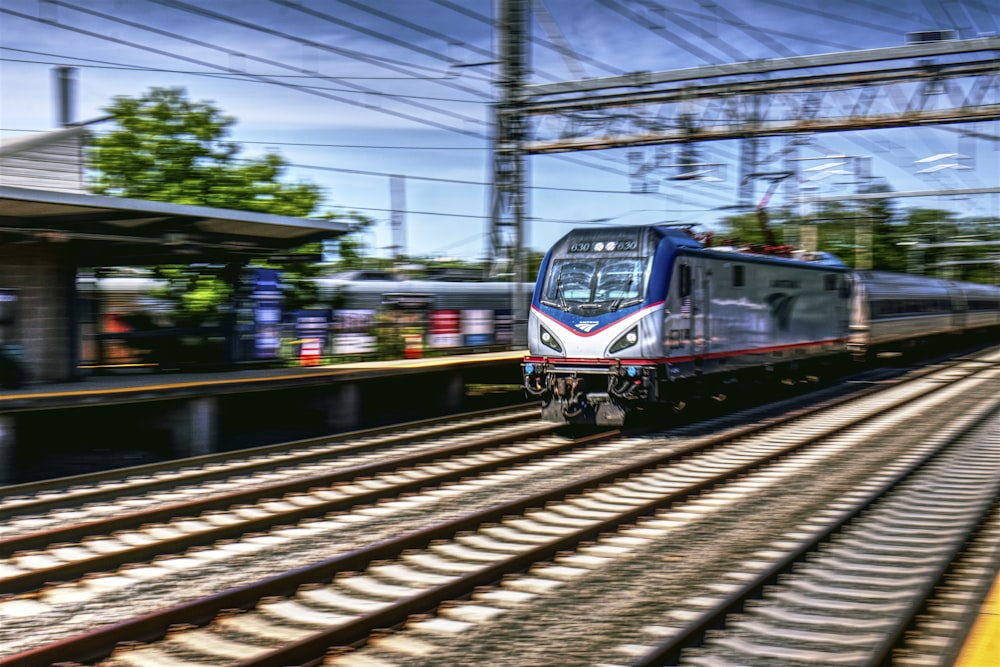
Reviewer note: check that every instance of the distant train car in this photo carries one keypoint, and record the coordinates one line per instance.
(443, 314)
(894, 312)
(363, 309)
(630, 318)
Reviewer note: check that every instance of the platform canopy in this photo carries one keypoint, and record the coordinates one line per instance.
(108, 231)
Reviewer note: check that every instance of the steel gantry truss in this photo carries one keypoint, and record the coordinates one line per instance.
(952, 81)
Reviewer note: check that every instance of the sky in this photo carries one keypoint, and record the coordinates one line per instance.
(369, 97)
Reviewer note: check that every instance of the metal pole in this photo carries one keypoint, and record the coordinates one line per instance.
(507, 231)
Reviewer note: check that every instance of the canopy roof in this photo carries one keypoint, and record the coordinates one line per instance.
(106, 231)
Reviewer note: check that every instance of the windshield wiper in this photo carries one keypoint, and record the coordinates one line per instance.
(559, 293)
(617, 302)
(562, 305)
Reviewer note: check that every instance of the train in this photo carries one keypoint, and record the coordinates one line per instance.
(627, 320)
(365, 313)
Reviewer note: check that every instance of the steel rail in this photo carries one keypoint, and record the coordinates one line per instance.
(101, 642)
(502, 415)
(74, 569)
(315, 646)
(668, 652)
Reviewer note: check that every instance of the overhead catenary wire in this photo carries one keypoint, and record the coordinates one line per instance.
(450, 181)
(150, 49)
(669, 10)
(200, 11)
(262, 78)
(610, 69)
(760, 35)
(252, 77)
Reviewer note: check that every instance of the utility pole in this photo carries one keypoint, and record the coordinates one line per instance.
(397, 193)
(507, 231)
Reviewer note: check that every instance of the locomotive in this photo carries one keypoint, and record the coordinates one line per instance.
(627, 319)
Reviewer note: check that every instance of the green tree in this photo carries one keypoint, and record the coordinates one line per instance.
(167, 148)
(351, 247)
(927, 241)
(745, 228)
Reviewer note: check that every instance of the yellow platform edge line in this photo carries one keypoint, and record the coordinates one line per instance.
(330, 370)
(982, 647)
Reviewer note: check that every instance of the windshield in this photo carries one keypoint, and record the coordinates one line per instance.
(595, 285)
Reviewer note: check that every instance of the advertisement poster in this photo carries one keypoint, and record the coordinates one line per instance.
(477, 327)
(353, 331)
(311, 330)
(265, 309)
(445, 329)
(504, 323)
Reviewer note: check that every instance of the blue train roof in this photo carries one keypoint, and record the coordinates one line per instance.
(809, 257)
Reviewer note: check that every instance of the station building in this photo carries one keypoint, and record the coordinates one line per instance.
(51, 227)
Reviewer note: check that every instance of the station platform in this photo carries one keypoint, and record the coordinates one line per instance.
(112, 421)
(123, 386)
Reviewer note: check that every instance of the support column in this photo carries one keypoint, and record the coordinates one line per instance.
(193, 426)
(8, 445)
(343, 408)
(453, 393)
(204, 436)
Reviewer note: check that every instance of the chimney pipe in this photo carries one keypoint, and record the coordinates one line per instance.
(65, 94)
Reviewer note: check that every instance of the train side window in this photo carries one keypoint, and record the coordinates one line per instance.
(739, 275)
(685, 280)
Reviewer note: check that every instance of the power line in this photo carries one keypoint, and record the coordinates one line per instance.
(356, 55)
(409, 212)
(369, 146)
(375, 60)
(265, 79)
(407, 24)
(451, 181)
(389, 38)
(851, 19)
(251, 77)
(668, 35)
(106, 64)
(398, 114)
(308, 144)
(436, 55)
(610, 69)
(732, 20)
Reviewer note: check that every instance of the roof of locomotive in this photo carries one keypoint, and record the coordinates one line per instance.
(813, 258)
(683, 237)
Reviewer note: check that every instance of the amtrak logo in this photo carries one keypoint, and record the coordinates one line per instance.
(781, 308)
(587, 326)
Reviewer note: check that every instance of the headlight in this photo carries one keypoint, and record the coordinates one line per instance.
(628, 340)
(548, 340)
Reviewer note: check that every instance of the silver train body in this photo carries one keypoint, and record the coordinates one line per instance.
(893, 312)
(626, 319)
(374, 292)
(355, 289)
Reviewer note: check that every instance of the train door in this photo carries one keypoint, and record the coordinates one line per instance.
(677, 326)
(959, 307)
(700, 300)
(860, 322)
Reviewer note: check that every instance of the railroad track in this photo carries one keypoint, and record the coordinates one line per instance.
(298, 486)
(567, 536)
(90, 494)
